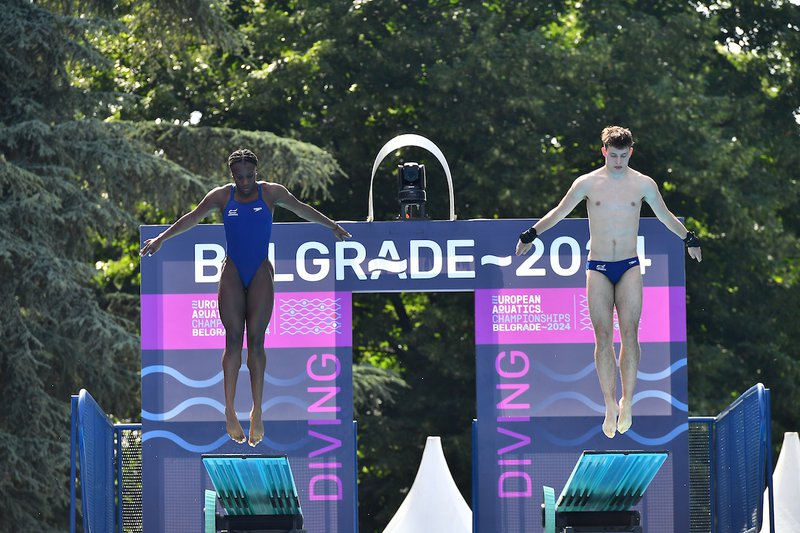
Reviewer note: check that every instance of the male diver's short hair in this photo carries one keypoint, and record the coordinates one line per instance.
(616, 137)
(243, 155)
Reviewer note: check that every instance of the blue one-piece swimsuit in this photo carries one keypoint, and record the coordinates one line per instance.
(613, 269)
(248, 227)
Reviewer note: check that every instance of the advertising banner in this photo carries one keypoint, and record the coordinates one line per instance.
(538, 400)
(308, 395)
(538, 396)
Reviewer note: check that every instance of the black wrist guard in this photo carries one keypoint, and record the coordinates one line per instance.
(528, 236)
(692, 240)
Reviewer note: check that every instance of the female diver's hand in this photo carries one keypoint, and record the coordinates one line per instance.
(151, 246)
(340, 232)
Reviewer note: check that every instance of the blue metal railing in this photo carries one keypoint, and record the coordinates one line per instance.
(96, 452)
(740, 463)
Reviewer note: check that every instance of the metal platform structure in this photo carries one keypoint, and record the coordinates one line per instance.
(730, 463)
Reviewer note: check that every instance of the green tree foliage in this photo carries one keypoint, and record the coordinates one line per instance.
(430, 344)
(73, 184)
(514, 92)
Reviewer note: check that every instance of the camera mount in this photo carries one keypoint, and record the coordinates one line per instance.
(401, 141)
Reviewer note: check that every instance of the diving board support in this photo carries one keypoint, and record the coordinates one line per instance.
(257, 493)
(210, 512)
(601, 491)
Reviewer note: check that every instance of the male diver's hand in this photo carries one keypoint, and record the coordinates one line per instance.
(523, 247)
(525, 241)
(340, 232)
(692, 242)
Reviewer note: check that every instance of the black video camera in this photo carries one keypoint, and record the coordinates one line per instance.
(411, 190)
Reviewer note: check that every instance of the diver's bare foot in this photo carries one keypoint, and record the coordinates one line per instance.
(610, 422)
(233, 427)
(625, 419)
(256, 428)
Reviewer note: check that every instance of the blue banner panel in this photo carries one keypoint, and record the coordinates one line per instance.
(307, 413)
(415, 256)
(308, 394)
(538, 399)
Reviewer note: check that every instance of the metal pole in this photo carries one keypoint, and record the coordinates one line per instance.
(474, 474)
(118, 437)
(355, 507)
(72, 469)
(768, 437)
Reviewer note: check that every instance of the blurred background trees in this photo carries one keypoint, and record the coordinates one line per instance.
(116, 114)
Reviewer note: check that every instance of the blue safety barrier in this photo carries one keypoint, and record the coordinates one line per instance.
(95, 447)
(97, 459)
(739, 464)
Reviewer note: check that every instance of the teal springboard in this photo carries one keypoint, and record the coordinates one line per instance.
(609, 481)
(253, 484)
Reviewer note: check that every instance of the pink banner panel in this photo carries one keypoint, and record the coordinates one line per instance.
(548, 316)
(299, 320)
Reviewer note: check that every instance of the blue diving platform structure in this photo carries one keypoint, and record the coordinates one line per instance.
(730, 462)
(257, 493)
(601, 491)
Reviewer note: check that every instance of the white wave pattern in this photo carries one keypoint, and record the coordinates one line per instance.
(395, 267)
(560, 397)
(496, 260)
(216, 378)
(221, 440)
(218, 406)
(306, 316)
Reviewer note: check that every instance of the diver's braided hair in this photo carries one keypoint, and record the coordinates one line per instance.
(242, 154)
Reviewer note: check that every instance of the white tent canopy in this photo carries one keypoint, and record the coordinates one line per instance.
(434, 502)
(786, 485)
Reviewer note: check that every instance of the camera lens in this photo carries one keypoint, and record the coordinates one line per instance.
(410, 174)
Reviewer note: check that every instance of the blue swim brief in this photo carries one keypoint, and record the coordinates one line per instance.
(613, 269)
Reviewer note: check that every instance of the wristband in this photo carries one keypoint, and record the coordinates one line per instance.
(528, 236)
(692, 240)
